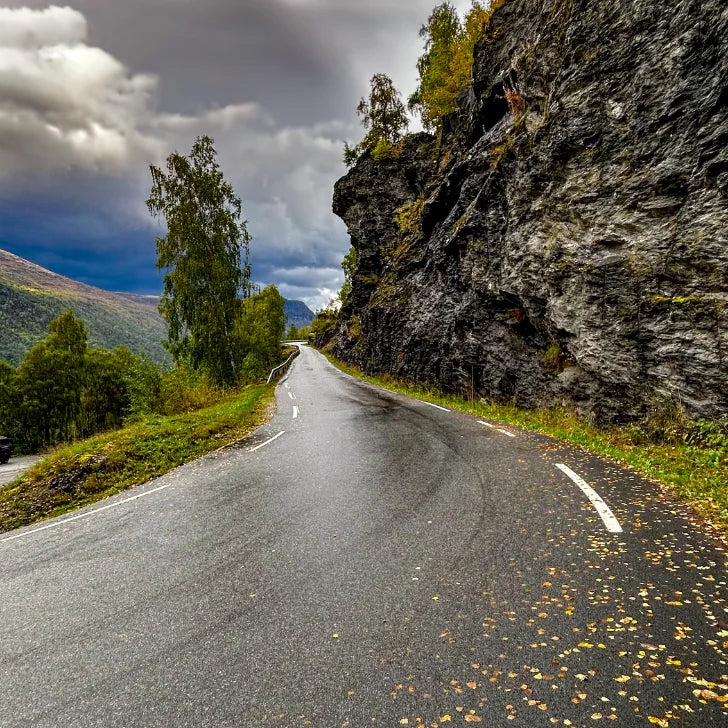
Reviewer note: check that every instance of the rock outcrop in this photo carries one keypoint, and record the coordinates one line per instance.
(566, 239)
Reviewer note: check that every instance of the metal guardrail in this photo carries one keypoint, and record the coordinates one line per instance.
(284, 365)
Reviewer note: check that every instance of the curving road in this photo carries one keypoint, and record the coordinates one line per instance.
(15, 467)
(381, 562)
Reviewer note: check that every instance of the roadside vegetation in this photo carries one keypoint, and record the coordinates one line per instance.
(296, 334)
(118, 420)
(324, 324)
(147, 447)
(689, 457)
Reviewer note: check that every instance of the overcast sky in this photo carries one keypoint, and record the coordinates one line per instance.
(92, 93)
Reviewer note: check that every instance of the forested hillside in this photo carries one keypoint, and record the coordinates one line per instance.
(31, 297)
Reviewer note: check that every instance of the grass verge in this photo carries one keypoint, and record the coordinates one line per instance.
(87, 471)
(696, 473)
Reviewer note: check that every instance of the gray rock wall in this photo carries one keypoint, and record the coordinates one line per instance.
(570, 246)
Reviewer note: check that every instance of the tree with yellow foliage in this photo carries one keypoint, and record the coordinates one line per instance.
(446, 64)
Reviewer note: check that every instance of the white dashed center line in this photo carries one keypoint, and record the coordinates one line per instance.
(295, 412)
(602, 508)
(267, 442)
(497, 429)
(436, 406)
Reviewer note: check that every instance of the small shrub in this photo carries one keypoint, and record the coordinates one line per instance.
(384, 150)
(355, 327)
(554, 359)
(409, 216)
(707, 433)
(254, 366)
(516, 104)
(666, 423)
(185, 390)
(323, 326)
(144, 384)
(351, 154)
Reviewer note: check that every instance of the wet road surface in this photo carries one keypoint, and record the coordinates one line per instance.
(380, 562)
(15, 467)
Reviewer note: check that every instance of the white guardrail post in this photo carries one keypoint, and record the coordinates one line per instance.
(284, 365)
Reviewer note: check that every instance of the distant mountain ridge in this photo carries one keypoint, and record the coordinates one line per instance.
(298, 314)
(31, 297)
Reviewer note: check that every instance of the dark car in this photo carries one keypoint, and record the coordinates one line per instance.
(6, 449)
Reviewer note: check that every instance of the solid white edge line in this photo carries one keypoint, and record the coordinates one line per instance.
(601, 507)
(497, 429)
(58, 524)
(88, 514)
(295, 412)
(267, 442)
(433, 405)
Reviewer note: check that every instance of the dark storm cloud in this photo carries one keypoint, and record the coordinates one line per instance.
(275, 82)
(304, 60)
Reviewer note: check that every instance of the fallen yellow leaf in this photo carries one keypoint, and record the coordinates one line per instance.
(710, 695)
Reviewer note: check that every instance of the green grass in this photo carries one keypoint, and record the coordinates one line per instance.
(695, 473)
(87, 471)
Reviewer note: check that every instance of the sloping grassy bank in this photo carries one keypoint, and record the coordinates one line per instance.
(690, 458)
(87, 471)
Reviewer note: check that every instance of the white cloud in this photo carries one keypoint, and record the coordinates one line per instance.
(69, 108)
(78, 127)
(285, 177)
(225, 119)
(63, 103)
(26, 28)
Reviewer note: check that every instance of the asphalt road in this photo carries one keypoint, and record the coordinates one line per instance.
(16, 467)
(381, 562)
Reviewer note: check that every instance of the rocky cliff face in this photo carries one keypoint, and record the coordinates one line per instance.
(566, 241)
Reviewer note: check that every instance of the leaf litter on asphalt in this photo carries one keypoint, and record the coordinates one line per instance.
(663, 676)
